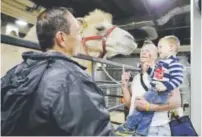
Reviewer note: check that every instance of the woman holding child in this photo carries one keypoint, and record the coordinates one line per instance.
(158, 125)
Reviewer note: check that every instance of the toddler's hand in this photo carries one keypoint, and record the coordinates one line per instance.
(160, 86)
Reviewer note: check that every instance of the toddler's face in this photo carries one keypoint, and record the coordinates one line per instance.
(164, 49)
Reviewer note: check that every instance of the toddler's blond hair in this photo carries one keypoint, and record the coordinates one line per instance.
(172, 40)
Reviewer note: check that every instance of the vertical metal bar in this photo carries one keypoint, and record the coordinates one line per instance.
(93, 70)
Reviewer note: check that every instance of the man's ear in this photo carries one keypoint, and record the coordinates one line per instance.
(59, 38)
(82, 22)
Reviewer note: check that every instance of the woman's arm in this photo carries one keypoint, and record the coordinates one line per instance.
(174, 102)
(125, 88)
(127, 96)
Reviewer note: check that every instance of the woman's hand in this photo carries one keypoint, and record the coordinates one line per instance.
(141, 104)
(145, 67)
(174, 100)
(125, 79)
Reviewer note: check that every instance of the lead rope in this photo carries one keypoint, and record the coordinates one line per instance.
(108, 75)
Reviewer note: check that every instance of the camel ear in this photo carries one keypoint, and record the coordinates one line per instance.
(82, 22)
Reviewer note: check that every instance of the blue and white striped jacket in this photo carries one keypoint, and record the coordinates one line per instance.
(168, 71)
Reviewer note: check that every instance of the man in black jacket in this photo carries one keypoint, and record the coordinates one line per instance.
(63, 98)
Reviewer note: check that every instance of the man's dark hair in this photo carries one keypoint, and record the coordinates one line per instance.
(49, 22)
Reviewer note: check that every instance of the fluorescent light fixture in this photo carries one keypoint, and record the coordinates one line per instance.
(21, 22)
(156, 2)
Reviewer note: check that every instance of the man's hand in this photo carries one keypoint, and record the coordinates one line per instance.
(160, 86)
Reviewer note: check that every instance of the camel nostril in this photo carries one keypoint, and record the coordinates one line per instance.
(129, 37)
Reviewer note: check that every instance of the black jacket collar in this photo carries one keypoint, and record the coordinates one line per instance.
(48, 55)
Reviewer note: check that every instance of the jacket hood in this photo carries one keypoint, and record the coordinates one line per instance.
(28, 74)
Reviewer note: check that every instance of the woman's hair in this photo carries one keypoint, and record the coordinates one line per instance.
(152, 48)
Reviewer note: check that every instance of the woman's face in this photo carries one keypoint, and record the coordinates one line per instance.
(145, 55)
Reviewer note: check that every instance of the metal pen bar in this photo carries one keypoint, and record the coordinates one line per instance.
(116, 107)
(111, 85)
(105, 81)
(119, 69)
(93, 70)
(111, 95)
(19, 42)
(116, 123)
(81, 56)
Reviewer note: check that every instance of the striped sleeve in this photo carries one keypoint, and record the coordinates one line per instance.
(176, 76)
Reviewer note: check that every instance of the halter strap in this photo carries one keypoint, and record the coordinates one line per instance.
(98, 37)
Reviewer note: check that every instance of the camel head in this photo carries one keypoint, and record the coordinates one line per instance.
(101, 38)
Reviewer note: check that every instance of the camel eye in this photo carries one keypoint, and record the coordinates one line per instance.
(100, 28)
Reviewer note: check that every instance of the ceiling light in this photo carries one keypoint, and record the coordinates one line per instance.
(21, 22)
(157, 2)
